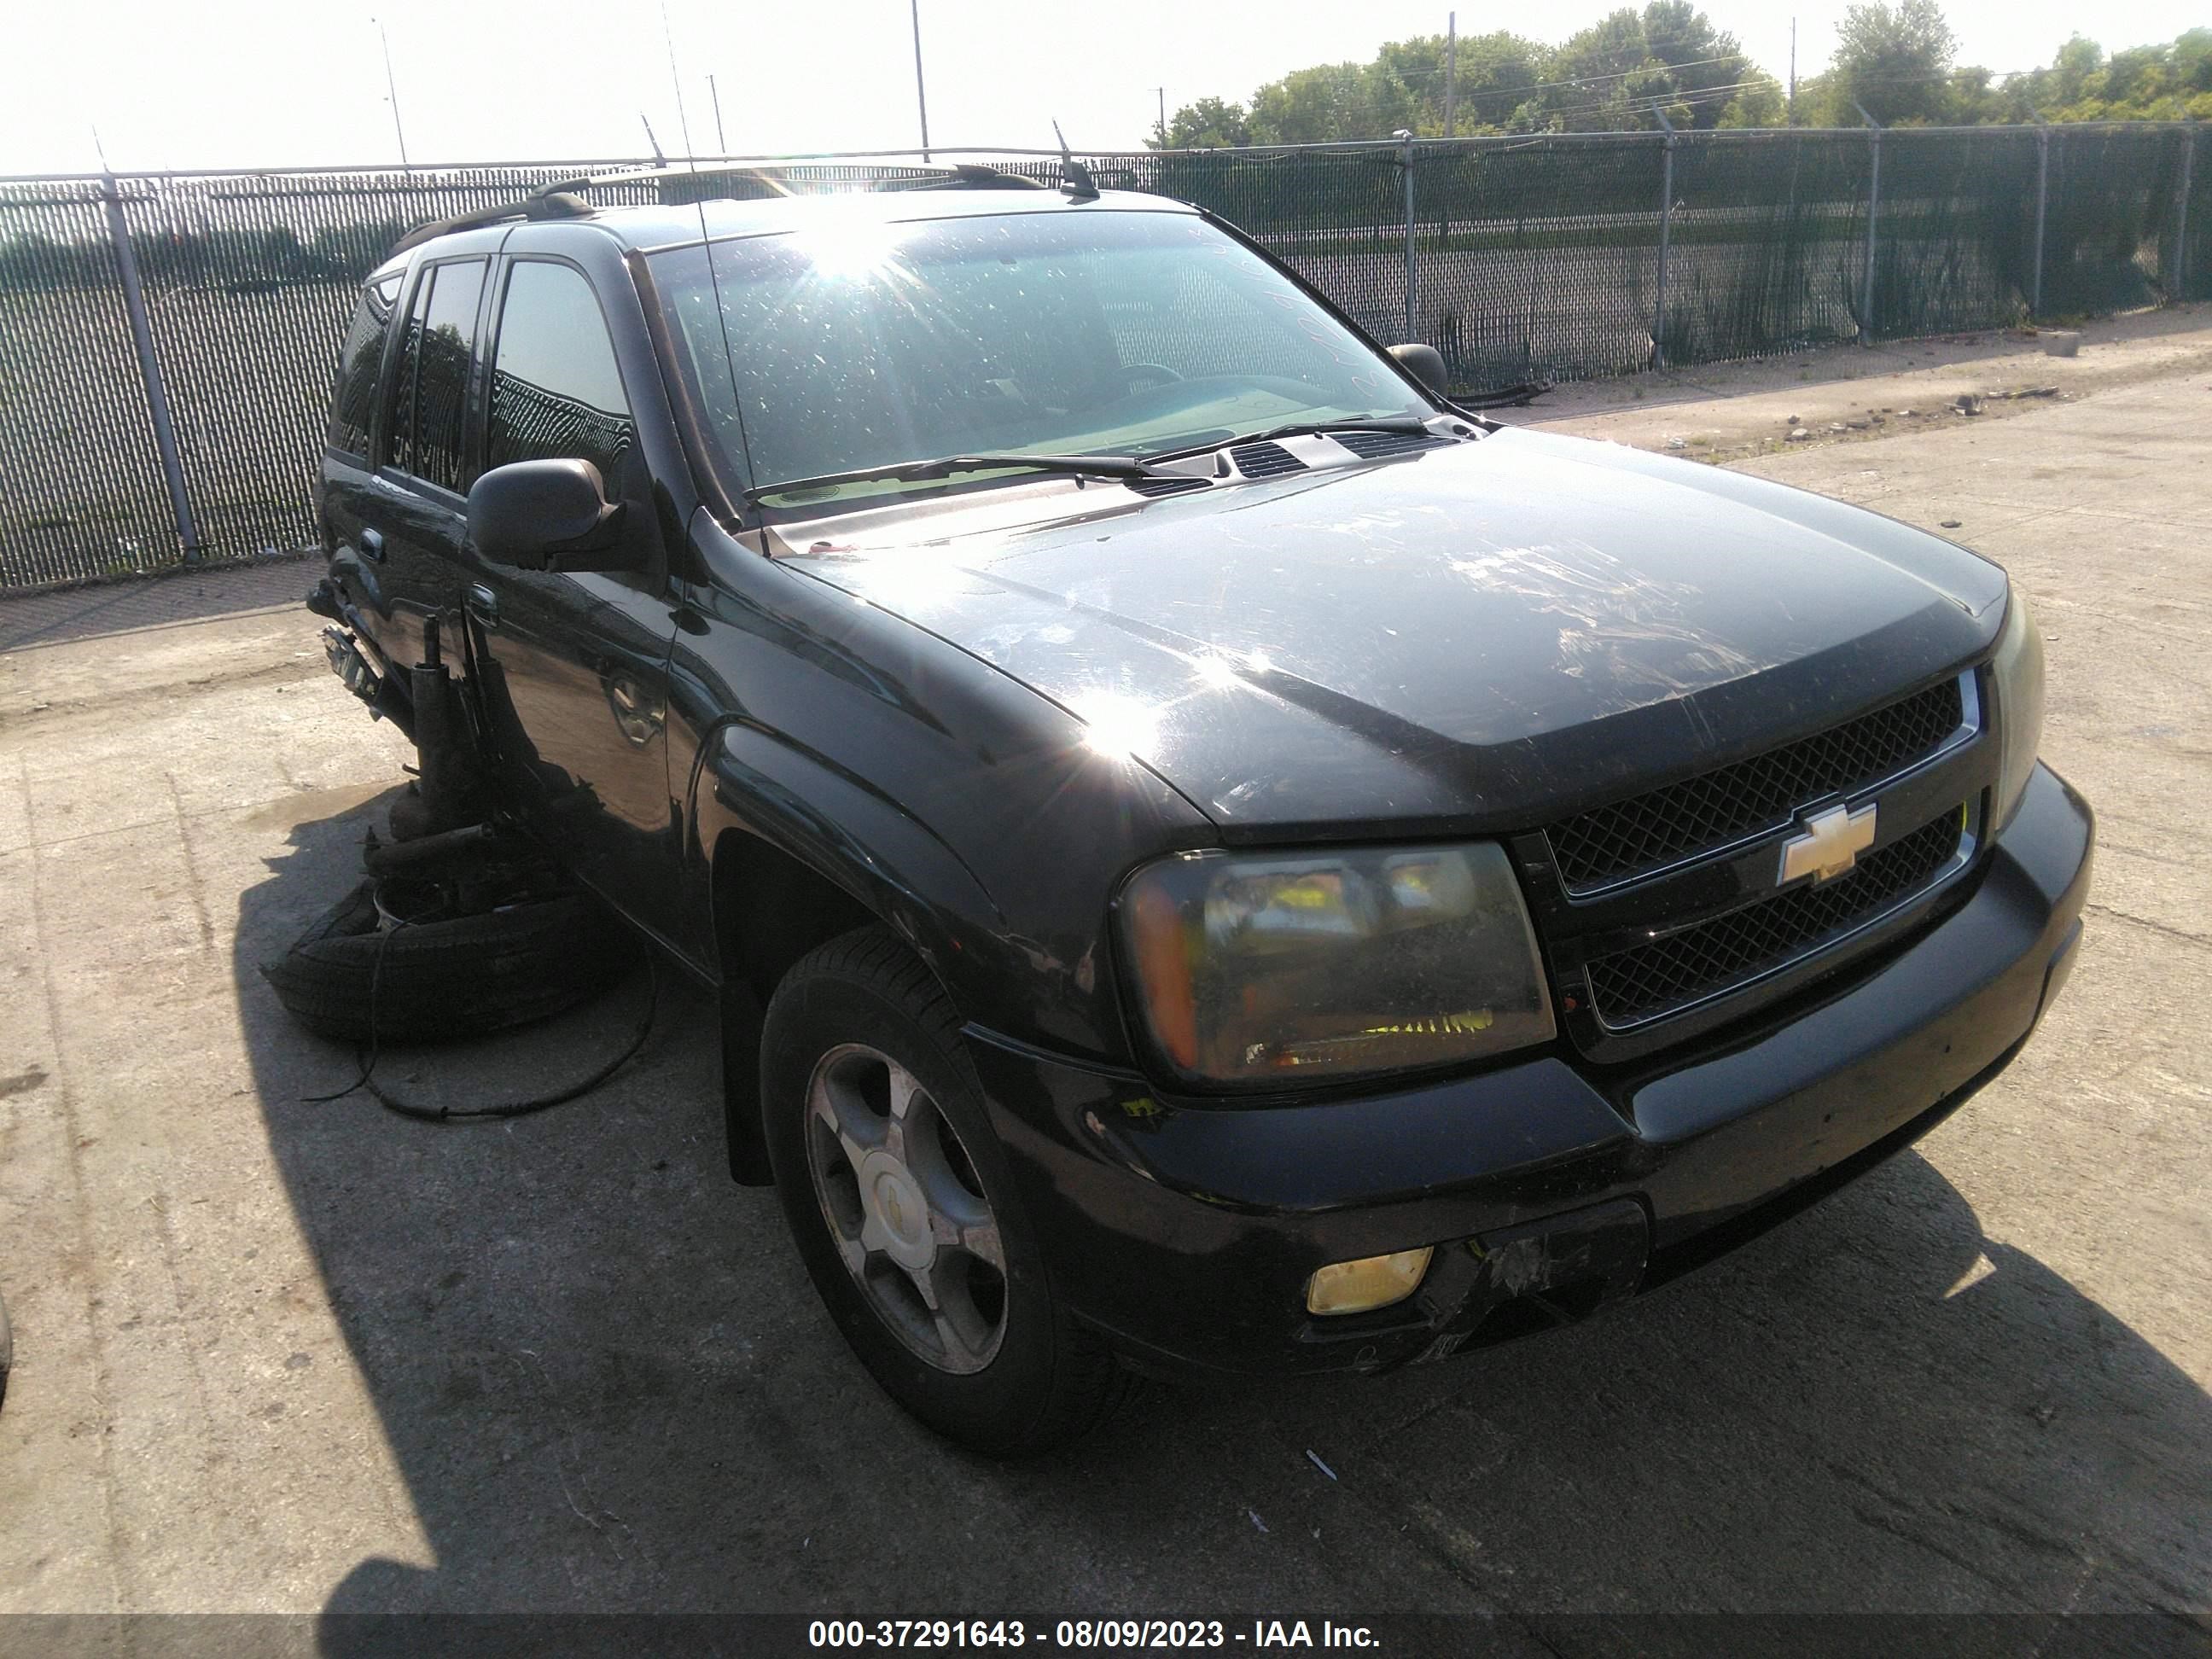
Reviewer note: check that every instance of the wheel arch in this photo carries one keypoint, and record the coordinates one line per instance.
(798, 853)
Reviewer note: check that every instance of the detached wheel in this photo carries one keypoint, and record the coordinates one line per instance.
(898, 1198)
(449, 976)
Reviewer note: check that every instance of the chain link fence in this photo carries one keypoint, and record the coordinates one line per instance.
(167, 342)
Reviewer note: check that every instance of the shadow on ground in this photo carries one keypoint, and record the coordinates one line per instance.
(166, 598)
(608, 1387)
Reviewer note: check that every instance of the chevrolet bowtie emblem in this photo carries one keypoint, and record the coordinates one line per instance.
(1831, 844)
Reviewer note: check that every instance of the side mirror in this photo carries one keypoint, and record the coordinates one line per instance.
(1426, 364)
(546, 516)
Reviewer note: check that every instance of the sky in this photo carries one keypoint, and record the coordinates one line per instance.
(247, 83)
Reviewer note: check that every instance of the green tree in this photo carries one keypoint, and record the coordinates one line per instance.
(2170, 82)
(1316, 106)
(1893, 59)
(1496, 73)
(1612, 76)
(1209, 123)
(1403, 88)
(1759, 105)
(2071, 72)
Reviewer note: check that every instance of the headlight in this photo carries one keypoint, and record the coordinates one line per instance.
(2016, 677)
(1290, 969)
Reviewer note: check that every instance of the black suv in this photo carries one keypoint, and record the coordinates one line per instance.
(1211, 855)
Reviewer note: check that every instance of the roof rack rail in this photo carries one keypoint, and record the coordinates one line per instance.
(552, 201)
(557, 198)
(965, 175)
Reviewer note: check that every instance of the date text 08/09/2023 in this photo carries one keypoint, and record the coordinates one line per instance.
(1086, 1633)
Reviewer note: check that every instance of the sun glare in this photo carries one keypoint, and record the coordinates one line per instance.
(849, 251)
(1120, 727)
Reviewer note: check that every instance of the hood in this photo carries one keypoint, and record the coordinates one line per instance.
(1481, 636)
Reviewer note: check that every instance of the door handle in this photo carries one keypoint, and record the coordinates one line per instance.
(484, 604)
(372, 545)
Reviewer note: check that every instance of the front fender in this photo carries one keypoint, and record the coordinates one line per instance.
(854, 837)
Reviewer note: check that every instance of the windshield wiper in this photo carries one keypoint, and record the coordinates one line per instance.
(1407, 424)
(944, 466)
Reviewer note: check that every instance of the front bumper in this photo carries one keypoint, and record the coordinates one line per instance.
(1185, 1231)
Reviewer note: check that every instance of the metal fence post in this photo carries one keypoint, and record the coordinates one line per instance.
(2042, 195)
(2180, 289)
(1666, 238)
(1406, 161)
(157, 399)
(1873, 212)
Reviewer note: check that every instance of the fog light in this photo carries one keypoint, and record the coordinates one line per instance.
(1374, 1281)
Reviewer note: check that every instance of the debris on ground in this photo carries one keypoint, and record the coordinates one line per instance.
(1798, 435)
(1967, 404)
(1951, 524)
(1316, 1459)
(1256, 1520)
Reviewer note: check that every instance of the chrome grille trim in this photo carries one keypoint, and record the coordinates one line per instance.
(1812, 949)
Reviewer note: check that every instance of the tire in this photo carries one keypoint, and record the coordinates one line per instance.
(459, 976)
(1040, 1379)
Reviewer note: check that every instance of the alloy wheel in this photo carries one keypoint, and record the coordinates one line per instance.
(906, 1208)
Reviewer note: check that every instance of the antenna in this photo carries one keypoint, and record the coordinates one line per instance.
(392, 91)
(1075, 178)
(659, 160)
(683, 121)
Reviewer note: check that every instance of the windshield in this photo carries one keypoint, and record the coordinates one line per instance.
(856, 343)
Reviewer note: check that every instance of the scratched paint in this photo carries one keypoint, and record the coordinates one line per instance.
(1504, 622)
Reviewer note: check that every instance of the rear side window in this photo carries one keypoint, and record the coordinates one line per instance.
(555, 391)
(430, 405)
(354, 402)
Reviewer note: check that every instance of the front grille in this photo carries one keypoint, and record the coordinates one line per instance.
(1267, 460)
(1373, 446)
(1647, 981)
(1714, 809)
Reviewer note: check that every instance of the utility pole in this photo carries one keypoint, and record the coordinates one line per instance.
(683, 121)
(1451, 71)
(391, 96)
(714, 96)
(1792, 71)
(1162, 94)
(920, 99)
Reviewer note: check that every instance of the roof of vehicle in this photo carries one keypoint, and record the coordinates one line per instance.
(650, 228)
(657, 226)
